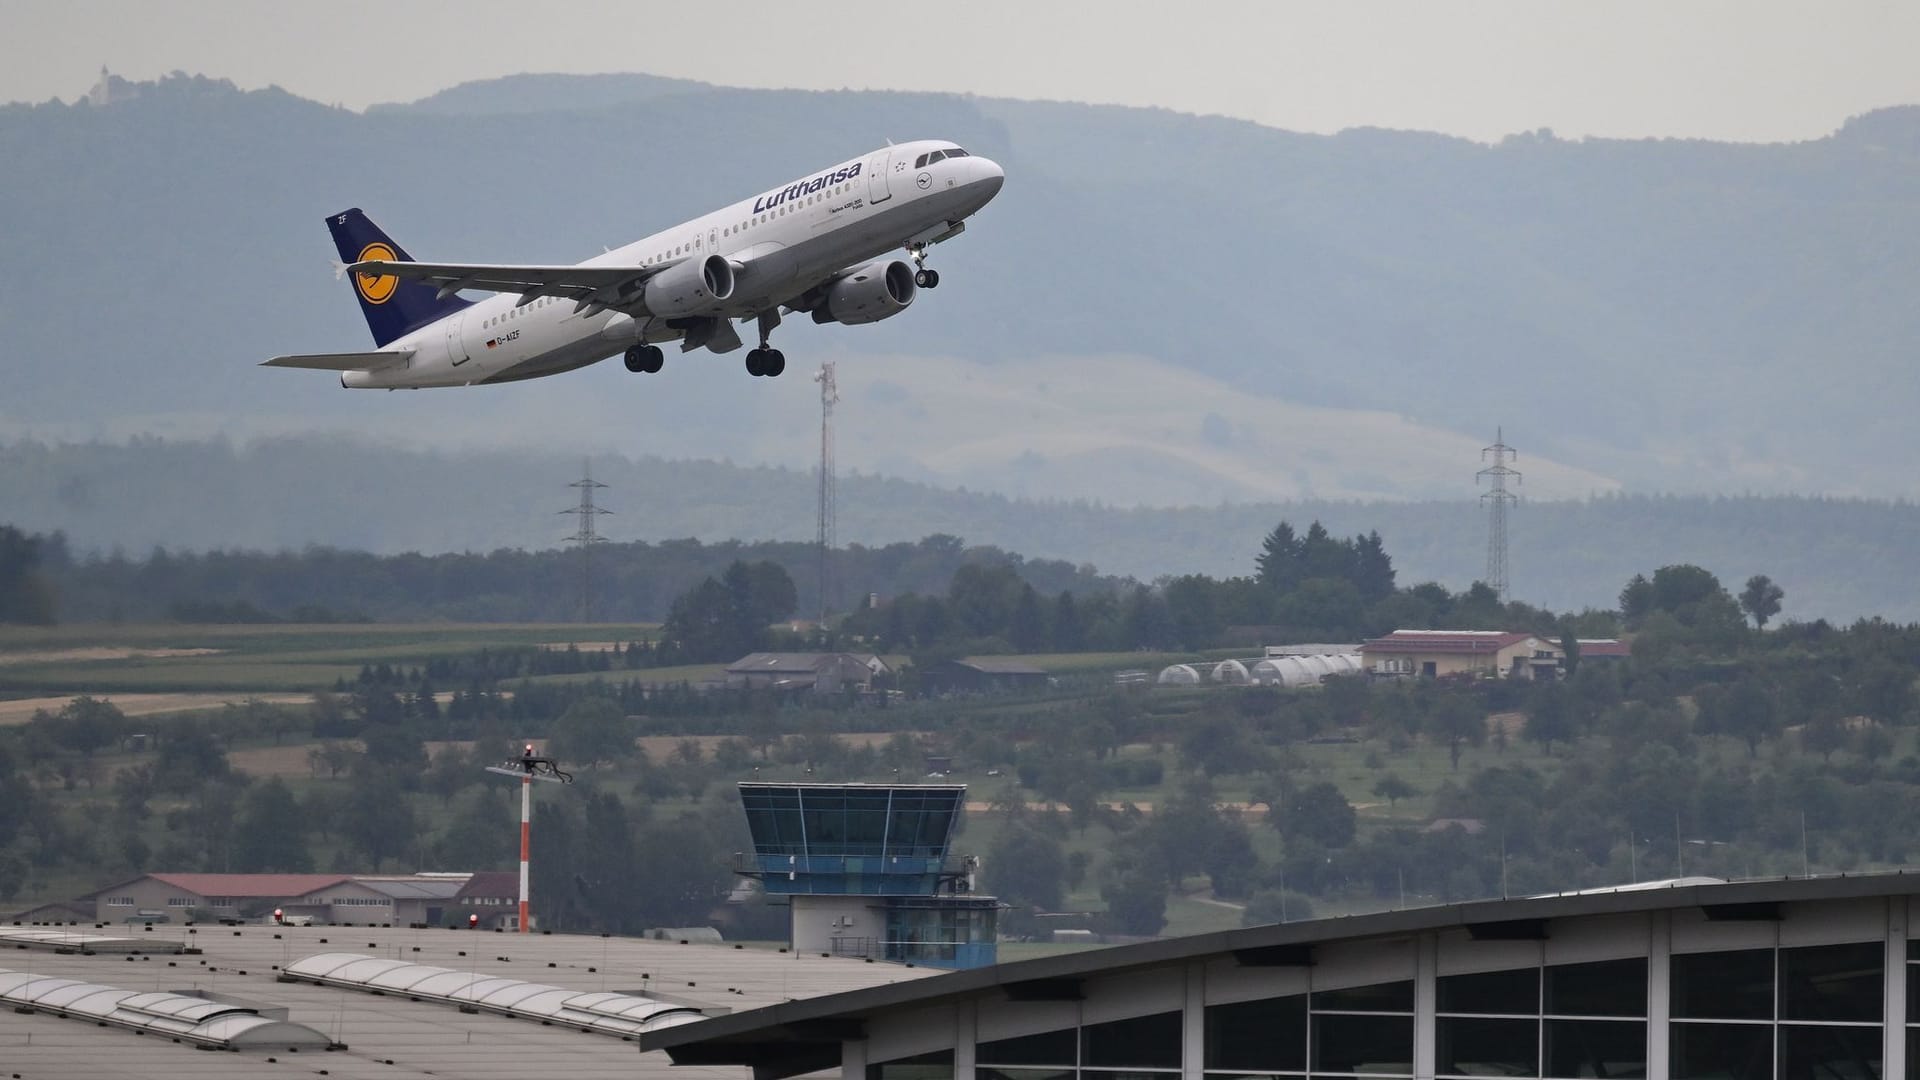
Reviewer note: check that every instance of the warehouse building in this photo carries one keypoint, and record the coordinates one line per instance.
(374, 1003)
(1779, 980)
(816, 673)
(324, 898)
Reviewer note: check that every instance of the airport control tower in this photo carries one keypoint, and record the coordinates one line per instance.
(866, 870)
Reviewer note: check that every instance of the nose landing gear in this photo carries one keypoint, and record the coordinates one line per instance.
(647, 358)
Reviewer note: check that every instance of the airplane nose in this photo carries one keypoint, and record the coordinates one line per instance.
(988, 174)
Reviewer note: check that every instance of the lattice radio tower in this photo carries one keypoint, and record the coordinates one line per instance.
(1497, 498)
(586, 535)
(829, 395)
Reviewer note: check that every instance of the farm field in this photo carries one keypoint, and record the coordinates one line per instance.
(234, 662)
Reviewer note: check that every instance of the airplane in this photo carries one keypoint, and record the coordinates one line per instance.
(816, 246)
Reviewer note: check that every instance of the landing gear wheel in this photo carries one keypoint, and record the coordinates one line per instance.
(927, 279)
(645, 358)
(756, 361)
(775, 363)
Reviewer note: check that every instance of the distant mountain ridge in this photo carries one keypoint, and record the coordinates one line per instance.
(535, 93)
(1837, 558)
(1640, 315)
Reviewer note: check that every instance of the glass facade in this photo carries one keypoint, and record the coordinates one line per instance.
(1355, 1031)
(1785, 1012)
(942, 931)
(1792, 1013)
(1563, 1021)
(850, 839)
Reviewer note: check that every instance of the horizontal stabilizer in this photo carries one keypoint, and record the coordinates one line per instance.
(342, 361)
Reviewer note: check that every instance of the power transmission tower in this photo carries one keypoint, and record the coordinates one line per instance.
(829, 395)
(1497, 499)
(586, 535)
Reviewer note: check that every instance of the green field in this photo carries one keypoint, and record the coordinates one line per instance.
(279, 658)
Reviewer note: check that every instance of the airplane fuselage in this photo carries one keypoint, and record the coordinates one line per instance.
(783, 246)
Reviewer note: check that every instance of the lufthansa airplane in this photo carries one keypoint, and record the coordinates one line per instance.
(816, 246)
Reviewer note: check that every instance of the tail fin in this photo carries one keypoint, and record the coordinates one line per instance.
(393, 307)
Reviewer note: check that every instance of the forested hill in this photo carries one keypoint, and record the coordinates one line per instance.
(1158, 309)
(1836, 558)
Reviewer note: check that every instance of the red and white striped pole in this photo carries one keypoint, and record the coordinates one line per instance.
(526, 831)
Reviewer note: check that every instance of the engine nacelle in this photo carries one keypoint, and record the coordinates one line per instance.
(690, 287)
(879, 290)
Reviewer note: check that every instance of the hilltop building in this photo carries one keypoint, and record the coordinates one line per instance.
(867, 872)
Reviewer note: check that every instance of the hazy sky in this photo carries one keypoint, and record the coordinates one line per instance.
(1723, 69)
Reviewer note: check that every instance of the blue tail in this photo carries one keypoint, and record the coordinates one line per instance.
(394, 308)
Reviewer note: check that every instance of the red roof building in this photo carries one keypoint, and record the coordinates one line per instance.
(1485, 653)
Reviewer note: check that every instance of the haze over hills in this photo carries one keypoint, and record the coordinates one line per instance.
(1838, 559)
(1159, 309)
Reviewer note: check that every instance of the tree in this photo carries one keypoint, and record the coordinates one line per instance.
(1192, 609)
(375, 822)
(1277, 565)
(1028, 632)
(1457, 721)
(1025, 865)
(592, 730)
(1373, 568)
(1569, 654)
(1392, 788)
(1320, 815)
(1636, 599)
(88, 724)
(1069, 635)
(25, 596)
(271, 835)
(1550, 717)
(188, 759)
(1229, 860)
(1136, 897)
(1761, 600)
(1750, 712)
(479, 831)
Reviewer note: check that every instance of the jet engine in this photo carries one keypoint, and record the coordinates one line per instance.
(878, 290)
(689, 287)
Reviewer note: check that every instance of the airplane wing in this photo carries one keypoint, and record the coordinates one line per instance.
(604, 285)
(345, 361)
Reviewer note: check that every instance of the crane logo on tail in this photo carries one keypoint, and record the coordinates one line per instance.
(376, 290)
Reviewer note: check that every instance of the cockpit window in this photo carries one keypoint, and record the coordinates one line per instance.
(936, 156)
(920, 162)
(956, 152)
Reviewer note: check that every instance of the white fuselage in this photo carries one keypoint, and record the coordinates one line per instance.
(781, 243)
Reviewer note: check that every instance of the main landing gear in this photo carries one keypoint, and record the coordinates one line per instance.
(922, 277)
(647, 358)
(767, 360)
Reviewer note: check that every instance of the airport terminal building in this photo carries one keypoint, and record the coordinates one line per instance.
(1777, 980)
